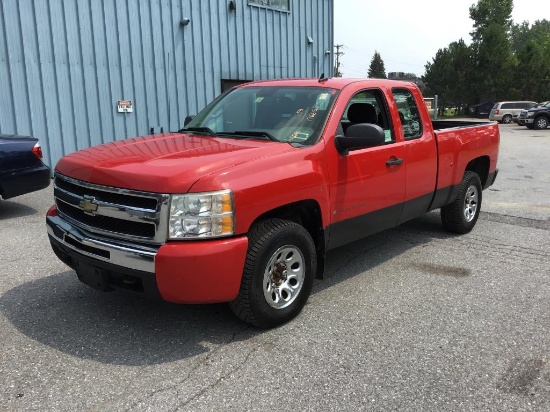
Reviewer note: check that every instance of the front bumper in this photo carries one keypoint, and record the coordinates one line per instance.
(180, 272)
(528, 120)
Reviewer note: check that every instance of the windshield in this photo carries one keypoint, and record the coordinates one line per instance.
(284, 114)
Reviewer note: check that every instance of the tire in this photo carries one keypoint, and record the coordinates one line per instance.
(507, 119)
(278, 274)
(541, 123)
(461, 215)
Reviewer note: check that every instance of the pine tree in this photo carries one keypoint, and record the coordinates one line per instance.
(376, 68)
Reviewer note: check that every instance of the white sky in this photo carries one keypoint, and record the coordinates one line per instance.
(407, 33)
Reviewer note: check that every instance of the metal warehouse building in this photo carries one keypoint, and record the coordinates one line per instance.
(76, 73)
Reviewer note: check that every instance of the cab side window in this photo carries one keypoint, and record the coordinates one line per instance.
(408, 113)
(368, 106)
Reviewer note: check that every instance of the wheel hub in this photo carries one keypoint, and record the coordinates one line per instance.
(470, 203)
(284, 277)
(279, 274)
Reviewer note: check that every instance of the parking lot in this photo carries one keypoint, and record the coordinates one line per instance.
(412, 319)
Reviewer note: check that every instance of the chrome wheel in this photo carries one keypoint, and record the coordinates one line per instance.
(284, 277)
(470, 203)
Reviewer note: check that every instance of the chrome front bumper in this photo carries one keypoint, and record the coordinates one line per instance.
(117, 252)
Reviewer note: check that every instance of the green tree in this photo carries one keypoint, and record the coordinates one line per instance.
(505, 61)
(449, 75)
(377, 69)
(436, 77)
(494, 63)
(532, 47)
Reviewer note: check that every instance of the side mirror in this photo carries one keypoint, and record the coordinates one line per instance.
(188, 119)
(360, 136)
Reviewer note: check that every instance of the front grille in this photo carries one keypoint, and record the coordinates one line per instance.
(112, 212)
(109, 197)
(106, 223)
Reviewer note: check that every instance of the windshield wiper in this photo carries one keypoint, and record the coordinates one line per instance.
(205, 130)
(255, 133)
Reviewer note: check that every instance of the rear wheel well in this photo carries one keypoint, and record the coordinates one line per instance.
(306, 213)
(480, 166)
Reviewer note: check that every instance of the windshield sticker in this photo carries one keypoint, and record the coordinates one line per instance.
(323, 96)
(258, 99)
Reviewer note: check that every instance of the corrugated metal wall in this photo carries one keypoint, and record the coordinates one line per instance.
(64, 64)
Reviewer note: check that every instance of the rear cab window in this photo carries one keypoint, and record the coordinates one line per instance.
(408, 113)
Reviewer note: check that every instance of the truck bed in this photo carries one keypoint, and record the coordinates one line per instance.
(448, 124)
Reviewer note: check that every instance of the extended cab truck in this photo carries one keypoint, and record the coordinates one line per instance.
(242, 204)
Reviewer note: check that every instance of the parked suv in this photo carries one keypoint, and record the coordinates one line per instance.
(537, 117)
(502, 112)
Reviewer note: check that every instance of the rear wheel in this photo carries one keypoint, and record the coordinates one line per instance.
(278, 273)
(507, 118)
(541, 123)
(461, 215)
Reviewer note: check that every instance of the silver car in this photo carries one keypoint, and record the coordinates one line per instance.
(502, 112)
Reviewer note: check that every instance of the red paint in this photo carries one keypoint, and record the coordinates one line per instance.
(201, 272)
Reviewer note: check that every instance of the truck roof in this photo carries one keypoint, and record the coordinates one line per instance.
(333, 82)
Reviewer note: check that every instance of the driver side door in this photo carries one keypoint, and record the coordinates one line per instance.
(367, 185)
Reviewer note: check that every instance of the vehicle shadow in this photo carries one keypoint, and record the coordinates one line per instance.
(10, 210)
(361, 256)
(116, 328)
(124, 329)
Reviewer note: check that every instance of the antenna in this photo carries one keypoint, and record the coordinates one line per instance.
(322, 78)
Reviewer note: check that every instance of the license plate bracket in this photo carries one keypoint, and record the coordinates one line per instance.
(93, 276)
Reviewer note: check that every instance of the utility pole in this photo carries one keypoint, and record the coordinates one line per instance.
(338, 53)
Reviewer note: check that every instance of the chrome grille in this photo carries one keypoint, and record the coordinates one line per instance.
(113, 212)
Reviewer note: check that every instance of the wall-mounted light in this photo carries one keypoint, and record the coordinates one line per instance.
(232, 6)
(309, 40)
(185, 21)
(327, 53)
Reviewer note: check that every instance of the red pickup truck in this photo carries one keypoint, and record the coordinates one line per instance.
(242, 204)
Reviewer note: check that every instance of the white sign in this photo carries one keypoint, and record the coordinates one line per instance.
(125, 106)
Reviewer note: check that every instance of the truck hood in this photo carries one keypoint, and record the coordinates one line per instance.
(165, 163)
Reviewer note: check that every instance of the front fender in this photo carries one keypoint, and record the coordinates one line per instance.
(266, 184)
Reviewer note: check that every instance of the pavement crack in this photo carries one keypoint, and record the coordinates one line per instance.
(220, 379)
(197, 365)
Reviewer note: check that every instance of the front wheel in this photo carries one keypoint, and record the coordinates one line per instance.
(541, 123)
(461, 215)
(278, 273)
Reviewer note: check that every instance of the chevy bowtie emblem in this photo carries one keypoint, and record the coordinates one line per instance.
(88, 205)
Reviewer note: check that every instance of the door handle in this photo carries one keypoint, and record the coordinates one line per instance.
(394, 161)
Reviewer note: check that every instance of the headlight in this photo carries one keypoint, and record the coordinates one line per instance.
(201, 215)
(530, 114)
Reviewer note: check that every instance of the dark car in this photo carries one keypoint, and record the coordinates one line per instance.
(21, 167)
(482, 110)
(537, 117)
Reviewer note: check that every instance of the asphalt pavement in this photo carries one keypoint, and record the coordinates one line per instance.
(411, 319)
